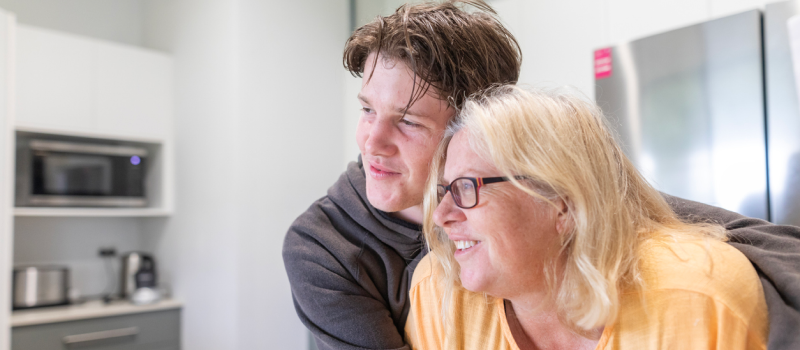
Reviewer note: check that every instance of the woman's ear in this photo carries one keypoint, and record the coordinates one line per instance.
(564, 221)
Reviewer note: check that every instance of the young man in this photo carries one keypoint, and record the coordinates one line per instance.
(350, 256)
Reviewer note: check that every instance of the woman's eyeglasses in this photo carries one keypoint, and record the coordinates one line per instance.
(465, 189)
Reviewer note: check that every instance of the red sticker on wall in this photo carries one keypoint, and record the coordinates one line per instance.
(602, 63)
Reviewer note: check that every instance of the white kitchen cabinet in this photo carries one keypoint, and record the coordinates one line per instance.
(82, 87)
(134, 91)
(60, 85)
(74, 84)
(55, 79)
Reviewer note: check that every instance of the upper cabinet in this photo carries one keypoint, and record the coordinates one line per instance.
(133, 91)
(79, 85)
(55, 79)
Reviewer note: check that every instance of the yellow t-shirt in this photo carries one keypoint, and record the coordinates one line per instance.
(698, 295)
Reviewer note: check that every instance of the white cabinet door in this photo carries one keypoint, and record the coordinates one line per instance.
(134, 91)
(73, 84)
(55, 79)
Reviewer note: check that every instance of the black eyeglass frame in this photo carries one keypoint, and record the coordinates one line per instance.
(477, 182)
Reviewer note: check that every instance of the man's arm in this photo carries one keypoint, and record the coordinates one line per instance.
(339, 312)
(774, 250)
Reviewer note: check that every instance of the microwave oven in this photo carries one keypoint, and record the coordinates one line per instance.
(59, 173)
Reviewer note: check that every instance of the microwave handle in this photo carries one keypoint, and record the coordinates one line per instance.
(60, 146)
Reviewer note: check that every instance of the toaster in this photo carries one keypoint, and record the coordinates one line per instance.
(37, 286)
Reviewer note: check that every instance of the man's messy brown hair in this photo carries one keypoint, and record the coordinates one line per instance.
(456, 52)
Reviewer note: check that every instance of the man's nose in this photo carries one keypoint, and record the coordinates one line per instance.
(379, 141)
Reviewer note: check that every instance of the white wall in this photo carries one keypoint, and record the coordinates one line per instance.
(197, 246)
(74, 242)
(290, 131)
(115, 20)
(351, 112)
(558, 38)
(258, 139)
(366, 10)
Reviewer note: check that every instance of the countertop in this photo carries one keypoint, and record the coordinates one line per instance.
(92, 309)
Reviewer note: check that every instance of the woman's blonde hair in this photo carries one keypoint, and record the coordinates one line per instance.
(560, 144)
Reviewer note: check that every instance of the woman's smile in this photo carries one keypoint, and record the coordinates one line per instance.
(465, 248)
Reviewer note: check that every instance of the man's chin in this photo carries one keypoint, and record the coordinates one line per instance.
(385, 205)
(385, 200)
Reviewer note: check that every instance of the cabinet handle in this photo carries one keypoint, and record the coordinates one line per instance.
(87, 337)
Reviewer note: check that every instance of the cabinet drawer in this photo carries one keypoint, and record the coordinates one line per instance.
(155, 330)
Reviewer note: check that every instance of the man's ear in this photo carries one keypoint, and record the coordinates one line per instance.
(564, 222)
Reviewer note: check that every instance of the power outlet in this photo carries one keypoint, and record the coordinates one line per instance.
(107, 252)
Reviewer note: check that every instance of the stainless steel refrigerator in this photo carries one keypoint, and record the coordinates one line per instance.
(783, 114)
(709, 112)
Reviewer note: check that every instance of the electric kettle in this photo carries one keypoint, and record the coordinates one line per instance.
(138, 281)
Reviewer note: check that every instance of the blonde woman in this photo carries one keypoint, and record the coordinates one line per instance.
(545, 236)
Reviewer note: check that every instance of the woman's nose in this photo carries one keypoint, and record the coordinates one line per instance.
(447, 212)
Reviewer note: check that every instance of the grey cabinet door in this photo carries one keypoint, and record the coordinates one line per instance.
(158, 330)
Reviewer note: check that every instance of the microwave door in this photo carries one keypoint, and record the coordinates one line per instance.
(75, 174)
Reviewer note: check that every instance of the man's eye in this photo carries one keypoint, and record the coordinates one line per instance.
(408, 122)
(366, 110)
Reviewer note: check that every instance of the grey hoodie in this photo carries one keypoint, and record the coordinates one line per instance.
(350, 264)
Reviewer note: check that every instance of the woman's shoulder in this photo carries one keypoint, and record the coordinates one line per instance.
(424, 272)
(694, 291)
(700, 277)
(702, 265)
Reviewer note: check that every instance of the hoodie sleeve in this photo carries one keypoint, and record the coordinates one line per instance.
(341, 313)
(774, 250)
